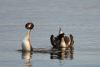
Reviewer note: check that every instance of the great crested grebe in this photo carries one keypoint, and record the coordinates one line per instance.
(26, 45)
(61, 41)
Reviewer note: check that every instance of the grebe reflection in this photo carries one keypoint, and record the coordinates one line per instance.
(68, 54)
(27, 56)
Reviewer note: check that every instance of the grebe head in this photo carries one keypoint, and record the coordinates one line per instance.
(61, 35)
(29, 26)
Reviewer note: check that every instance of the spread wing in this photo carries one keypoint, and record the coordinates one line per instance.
(52, 39)
(71, 37)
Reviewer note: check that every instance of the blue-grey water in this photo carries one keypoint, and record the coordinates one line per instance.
(78, 17)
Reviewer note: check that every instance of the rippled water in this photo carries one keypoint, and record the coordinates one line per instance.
(78, 17)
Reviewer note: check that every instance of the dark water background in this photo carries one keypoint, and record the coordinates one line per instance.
(78, 17)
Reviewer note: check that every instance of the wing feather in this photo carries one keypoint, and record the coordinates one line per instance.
(71, 37)
(52, 39)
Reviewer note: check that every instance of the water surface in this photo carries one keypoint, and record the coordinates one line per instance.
(78, 17)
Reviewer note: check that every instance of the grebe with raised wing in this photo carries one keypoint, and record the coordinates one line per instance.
(62, 41)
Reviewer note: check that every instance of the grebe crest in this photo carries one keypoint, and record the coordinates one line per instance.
(26, 45)
(60, 31)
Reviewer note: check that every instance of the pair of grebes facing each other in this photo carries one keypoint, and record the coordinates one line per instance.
(59, 42)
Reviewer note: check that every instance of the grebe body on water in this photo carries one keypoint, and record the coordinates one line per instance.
(62, 41)
(26, 44)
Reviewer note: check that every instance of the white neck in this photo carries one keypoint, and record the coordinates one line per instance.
(27, 36)
(26, 46)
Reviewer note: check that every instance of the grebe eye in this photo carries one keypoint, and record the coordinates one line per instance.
(29, 25)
